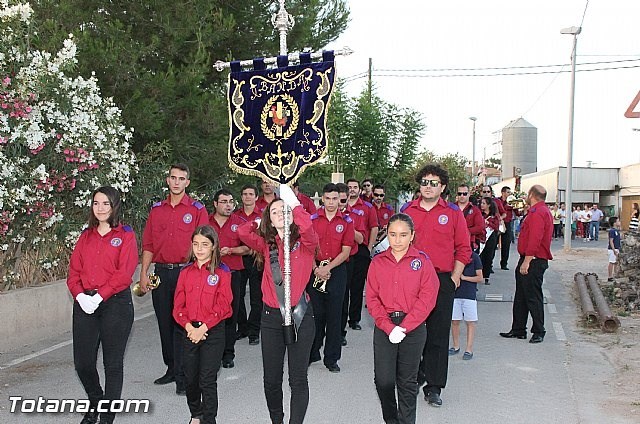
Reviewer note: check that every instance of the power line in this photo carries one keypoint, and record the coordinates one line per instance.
(584, 13)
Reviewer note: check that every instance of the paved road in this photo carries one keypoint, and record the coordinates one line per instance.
(507, 380)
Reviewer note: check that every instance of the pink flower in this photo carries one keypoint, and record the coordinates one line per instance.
(6, 81)
(3, 140)
(58, 136)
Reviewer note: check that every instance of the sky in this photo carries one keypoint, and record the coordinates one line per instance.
(420, 34)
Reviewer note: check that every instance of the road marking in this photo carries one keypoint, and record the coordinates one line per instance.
(493, 297)
(54, 347)
(552, 308)
(557, 328)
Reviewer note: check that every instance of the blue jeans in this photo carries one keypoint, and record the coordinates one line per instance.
(595, 229)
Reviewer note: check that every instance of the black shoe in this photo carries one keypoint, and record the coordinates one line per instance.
(254, 340)
(433, 399)
(227, 363)
(165, 379)
(107, 418)
(90, 417)
(181, 391)
(421, 378)
(344, 341)
(333, 367)
(486, 282)
(355, 326)
(313, 359)
(512, 335)
(504, 268)
(536, 338)
(241, 335)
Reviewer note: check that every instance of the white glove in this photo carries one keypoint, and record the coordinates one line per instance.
(86, 303)
(288, 196)
(397, 334)
(96, 299)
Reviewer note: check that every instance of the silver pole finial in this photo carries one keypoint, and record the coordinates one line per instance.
(283, 22)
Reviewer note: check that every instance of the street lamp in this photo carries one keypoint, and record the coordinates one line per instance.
(569, 215)
(473, 153)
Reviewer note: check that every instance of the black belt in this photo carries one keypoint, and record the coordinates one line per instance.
(171, 266)
(197, 324)
(397, 314)
(91, 292)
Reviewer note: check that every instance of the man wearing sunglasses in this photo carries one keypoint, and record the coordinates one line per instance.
(441, 232)
(507, 216)
(367, 191)
(473, 217)
(383, 210)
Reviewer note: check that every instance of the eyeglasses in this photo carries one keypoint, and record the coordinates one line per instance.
(378, 194)
(343, 200)
(486, 191)
(432, 183)
(463, 193)
(366, 185)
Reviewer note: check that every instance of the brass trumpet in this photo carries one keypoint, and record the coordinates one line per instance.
(515, 202)
(154, 282)
(319, 284)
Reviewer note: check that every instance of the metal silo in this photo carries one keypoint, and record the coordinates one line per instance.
(519, 149)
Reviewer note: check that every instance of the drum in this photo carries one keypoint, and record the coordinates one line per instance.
(380, 246)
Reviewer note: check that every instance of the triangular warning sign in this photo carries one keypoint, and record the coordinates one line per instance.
(630, 110)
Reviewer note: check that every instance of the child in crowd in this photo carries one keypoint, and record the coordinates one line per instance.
(614, 245)
(465, 306)
(202, 302)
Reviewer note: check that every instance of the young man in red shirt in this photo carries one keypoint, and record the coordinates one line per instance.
(473, 217)
(383, 210)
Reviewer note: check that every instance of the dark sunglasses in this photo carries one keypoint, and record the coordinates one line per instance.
(366, 185)
(378, 194)
(343, 200)
(463, 193)
(486, 191)
(432, 183)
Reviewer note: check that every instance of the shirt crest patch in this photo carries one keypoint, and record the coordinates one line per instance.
(416, 264)
(187, 218)
(443, 219)
(234, 227)
(116, 241)
(258, 220)
(212, 280)
(339, 228)
(385, 216)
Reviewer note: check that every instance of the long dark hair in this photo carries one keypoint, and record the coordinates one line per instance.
(493, 209)
(268, 232)
(116, 206)
(635, 208)
(208, 232)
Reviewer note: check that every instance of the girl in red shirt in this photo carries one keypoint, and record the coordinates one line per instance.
(202, 302)
(266, 240)
(402, 287)
(100, 273)
(489, 211)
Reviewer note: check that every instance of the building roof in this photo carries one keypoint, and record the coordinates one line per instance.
(519, 123)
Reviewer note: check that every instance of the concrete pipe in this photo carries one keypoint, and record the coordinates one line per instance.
(608, 321)
(585, 300)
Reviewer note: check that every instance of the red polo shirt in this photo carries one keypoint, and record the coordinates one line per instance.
(441, 233)
(256, 215)
(168, 231)
(302, 256)
(228, 235)
(535, 232)
(364, 216)
(383, 213)
(105, 263)
(505, 208)
(261, 203)
(306, 203)
(347, 212)
(202, 296)
(409, 285)
(475, 224)
(332, 234)
(368, 199)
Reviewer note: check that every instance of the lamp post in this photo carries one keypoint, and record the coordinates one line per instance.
(473, 153)
(569, 214)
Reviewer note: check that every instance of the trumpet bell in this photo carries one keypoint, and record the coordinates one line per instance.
(515, 202)
(154, 282)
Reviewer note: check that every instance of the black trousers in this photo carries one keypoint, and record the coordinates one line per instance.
(528, 298)
(201, 365)
(232, 322)
(396, 367)
(273, 349)
(110, 325)
(488, 253)
(171, 334)
(505, 240)
(327, 310)
(357, 269)
(435, 356)
(250, 326)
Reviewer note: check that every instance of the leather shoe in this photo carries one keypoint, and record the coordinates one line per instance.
(355, 326)
(227, 363)
(333, 367)
(433, 399)
(512, 335)
(165, 379)
(504, 268)
(90, 417)
(536, 338)
(254, 340)
(241, 335)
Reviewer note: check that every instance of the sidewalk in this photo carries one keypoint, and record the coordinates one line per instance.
(564, 379)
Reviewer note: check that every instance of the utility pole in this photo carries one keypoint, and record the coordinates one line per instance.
(370, 79)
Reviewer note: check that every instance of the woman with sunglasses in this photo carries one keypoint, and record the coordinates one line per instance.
(492, 222)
